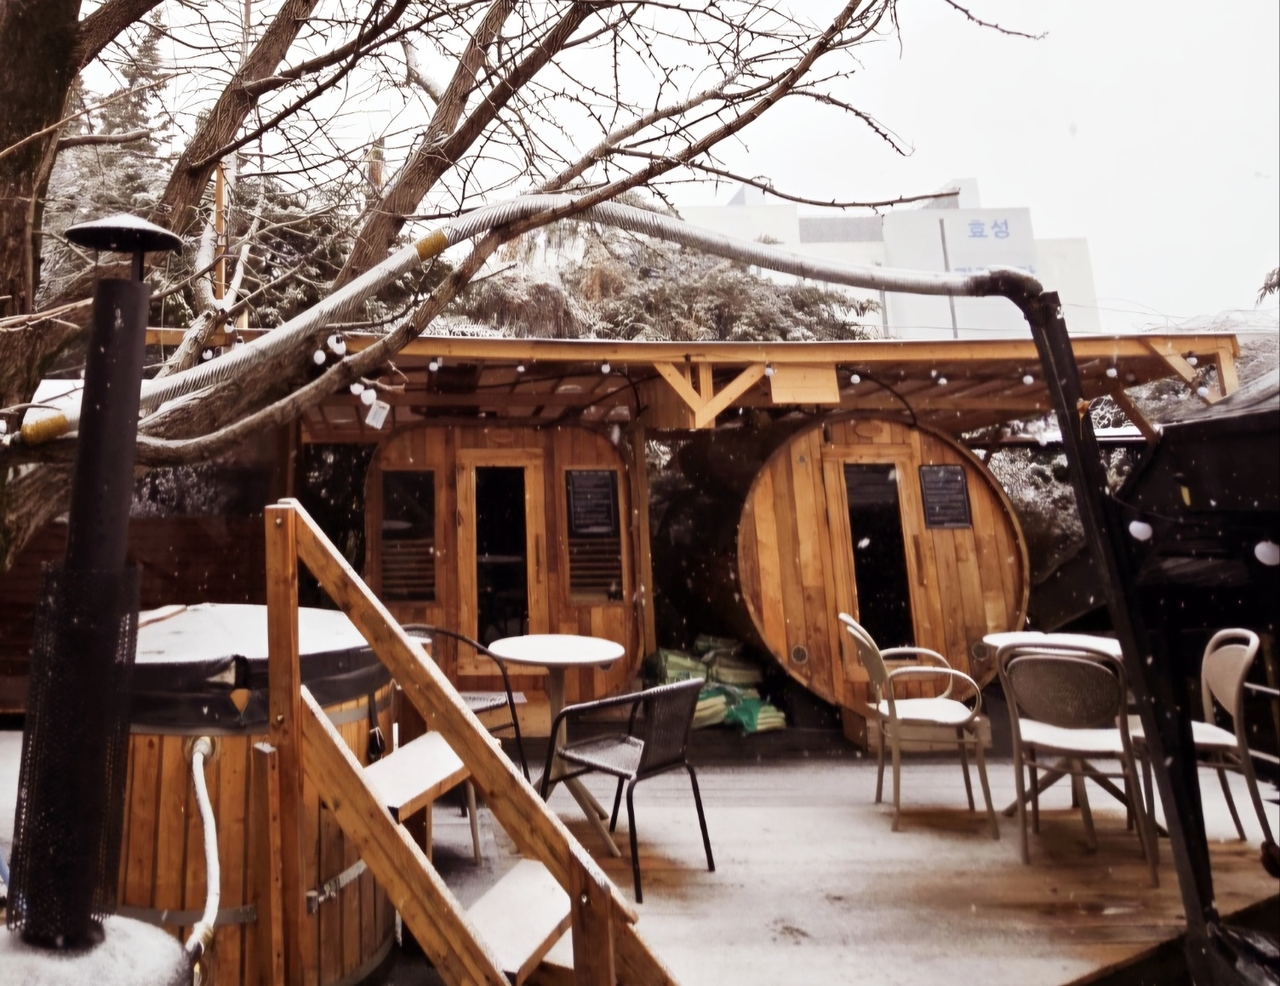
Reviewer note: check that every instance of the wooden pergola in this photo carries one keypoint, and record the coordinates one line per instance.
(955, 386)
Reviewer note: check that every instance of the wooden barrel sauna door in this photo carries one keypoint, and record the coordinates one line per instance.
(895, 524)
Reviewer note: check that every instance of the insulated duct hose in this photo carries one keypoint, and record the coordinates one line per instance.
(343, 303)
(202, 931)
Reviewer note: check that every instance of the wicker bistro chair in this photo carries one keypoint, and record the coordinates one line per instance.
(1226, 664)
(1071, 702)
(894, 712)
(653, 744)
(479, 702)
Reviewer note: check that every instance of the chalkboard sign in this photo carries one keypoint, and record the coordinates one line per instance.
(593, 502)
(946, 496)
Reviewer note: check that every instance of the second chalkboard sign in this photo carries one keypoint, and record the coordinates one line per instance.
(593, 502)
(946, 496)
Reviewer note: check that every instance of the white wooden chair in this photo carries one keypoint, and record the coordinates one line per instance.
(1226, 664)
(894, 712)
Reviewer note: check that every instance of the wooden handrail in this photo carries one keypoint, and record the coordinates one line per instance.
(537, 831)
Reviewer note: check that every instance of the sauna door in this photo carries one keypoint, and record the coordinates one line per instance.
(874, 504)
(502, 546)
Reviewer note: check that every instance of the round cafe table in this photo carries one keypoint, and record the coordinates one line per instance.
(558, 652)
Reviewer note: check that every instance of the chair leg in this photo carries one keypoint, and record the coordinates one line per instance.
(980, 757)
(1021, 803)
(897, 781)
(964, 764)
(1226, 793)
(1144, 823)
(635, 851)
(617, 800)
(475, 822)
(1082, 798)
(1251, 782)
(1149, 787)
(702, 819)
(1035, 794)
(880, 759)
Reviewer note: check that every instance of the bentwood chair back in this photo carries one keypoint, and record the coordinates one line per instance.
(893, 711)
(480, 702)
(1071, 702)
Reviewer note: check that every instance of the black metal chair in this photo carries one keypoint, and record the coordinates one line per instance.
(480, 702)
(653, 744)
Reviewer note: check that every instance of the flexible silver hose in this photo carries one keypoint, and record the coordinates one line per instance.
(343, 303)
(202, 931)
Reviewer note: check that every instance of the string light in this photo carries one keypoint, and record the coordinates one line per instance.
(768, 369)
(318, 357)
(1112, 372)
(1267, 552)
(605, 368)
(368, 396)
(357, 388)
(1028, 379)
(1140, 530)
(855, 379)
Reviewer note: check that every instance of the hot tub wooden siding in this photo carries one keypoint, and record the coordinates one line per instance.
(796, 559)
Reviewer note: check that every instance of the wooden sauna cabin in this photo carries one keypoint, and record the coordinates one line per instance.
(503, 496)
(498, 531)
(895, 523)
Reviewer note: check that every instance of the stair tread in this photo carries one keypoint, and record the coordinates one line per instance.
(521, 917)
(416, 774)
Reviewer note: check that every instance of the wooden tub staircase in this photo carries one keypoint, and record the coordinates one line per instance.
(502, 938)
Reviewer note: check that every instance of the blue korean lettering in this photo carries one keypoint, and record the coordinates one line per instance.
(978, 229)
(1000, 228)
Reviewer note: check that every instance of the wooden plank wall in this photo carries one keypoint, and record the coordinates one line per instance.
(447, 451)
(796, 566)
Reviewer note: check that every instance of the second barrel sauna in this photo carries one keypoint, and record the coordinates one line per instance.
(495, 532)
(896, 524)
(784, 528)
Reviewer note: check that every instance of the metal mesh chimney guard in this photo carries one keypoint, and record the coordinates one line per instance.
(71, 782)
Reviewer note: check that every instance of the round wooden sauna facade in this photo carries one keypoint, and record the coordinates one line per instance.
(895, 524)
(494, 532)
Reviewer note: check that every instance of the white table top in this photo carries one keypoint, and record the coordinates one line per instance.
(558, 650)
(1030, 638)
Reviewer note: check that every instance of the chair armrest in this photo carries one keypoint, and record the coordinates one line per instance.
(951, 673)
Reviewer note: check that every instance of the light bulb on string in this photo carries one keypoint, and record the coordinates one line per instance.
(357, 388)
(318, 357)
(605, 368)
(368, 396)
(768, 369)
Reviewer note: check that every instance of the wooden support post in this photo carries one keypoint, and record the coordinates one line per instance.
(592, 906)
(705, 416)
(268, 884)
(1134, 413)
(284, 709)
(639, 470)
(1228, 382)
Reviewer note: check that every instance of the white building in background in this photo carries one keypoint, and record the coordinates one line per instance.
(947, 234)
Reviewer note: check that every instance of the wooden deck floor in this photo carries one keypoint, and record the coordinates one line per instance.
(811, 886)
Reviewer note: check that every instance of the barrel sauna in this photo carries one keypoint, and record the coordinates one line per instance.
(499, 531)
(894, 523)
(202, 671)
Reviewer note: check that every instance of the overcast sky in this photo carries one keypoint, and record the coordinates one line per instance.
(1152, 129)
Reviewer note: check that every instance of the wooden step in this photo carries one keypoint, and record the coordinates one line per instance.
(520, 917)
(416, 774)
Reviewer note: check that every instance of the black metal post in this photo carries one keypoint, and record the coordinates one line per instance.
(1166, 721)
(71, 788)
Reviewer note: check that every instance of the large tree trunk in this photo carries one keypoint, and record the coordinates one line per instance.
(38, 38)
